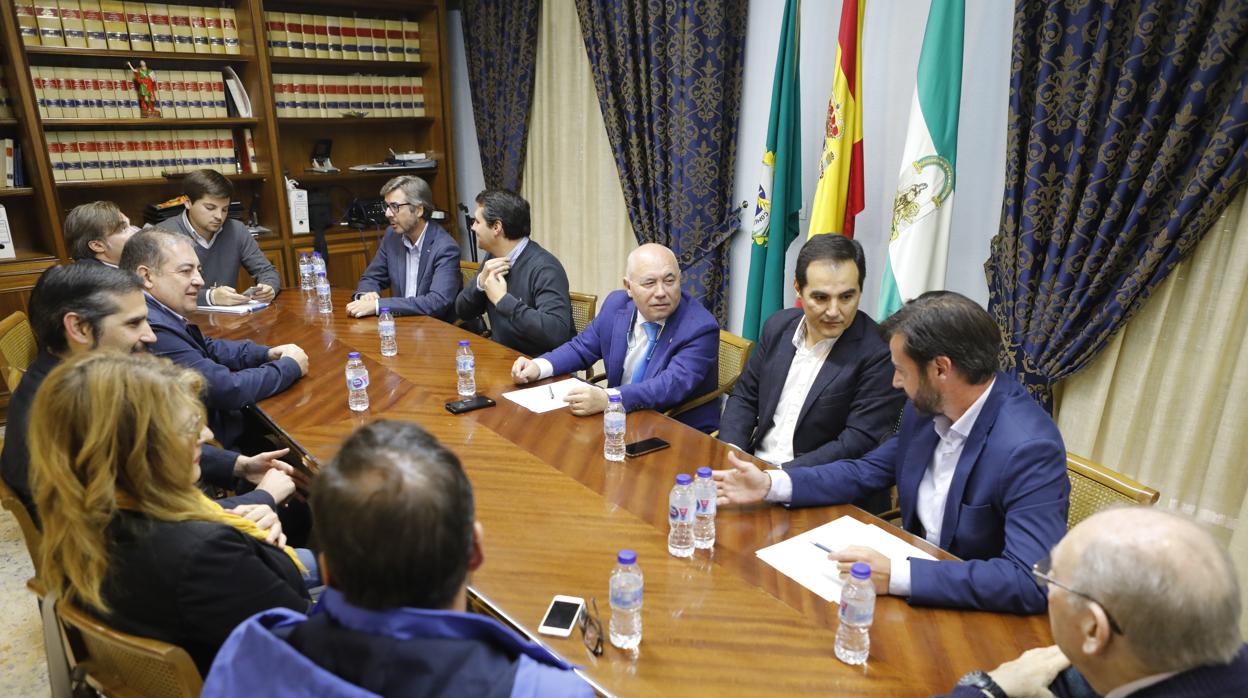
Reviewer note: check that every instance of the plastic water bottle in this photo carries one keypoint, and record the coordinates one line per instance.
(318, 264)
(853, 637)
(627, 586)
(704, 510)
(465, 367)
(680, 517)
(614, 424)
(323, 302)
(357, 383)
(385, 328)
(307, 280)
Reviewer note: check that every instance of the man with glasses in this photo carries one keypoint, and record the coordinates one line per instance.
(1142, 603)
(980, 468)
(417, 260)
(659, 345)
(393, 622)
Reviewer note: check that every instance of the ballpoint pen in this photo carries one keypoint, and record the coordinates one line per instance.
(821, 546)
(552, 391)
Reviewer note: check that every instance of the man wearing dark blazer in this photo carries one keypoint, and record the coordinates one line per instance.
(521, 287)
(659, 345)
(980, 468)
(818, 386)
(236, 373)
(417, 260)
(96, 232)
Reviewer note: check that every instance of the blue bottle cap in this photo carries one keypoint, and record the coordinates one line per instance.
(704, 471)
(463, 342)
(626, 557)
(860, 570)
(385, 308)
(616, 397)
(683, 479)
(320, 274)
(353, 355)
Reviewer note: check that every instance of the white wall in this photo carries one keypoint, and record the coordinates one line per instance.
(892, 37)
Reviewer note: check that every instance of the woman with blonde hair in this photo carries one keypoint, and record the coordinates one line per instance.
(126, 533)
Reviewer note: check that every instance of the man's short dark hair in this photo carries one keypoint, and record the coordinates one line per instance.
(833, 248)
(507, 207)
(88, 290)
(92, 221)
(201, 183)
(394, 515)
(945, 323)
(147, 248)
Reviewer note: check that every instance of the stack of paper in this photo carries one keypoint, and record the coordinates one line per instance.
(543, 398)
(800, 559)
(249, 307)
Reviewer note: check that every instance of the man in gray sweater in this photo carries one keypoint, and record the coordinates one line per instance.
(222, 243)
(521, 287)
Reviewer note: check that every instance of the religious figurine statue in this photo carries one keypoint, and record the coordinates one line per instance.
(145, 83)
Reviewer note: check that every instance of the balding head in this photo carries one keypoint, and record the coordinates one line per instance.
(652, 280)
(1170, 586)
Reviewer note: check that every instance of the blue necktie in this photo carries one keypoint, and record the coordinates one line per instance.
(652, 334)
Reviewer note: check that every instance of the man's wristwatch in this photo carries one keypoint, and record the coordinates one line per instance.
(984, 682)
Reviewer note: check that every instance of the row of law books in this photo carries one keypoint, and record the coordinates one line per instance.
(318, 96)
(101, 155)
(12, 172)
(6, 100)
(128, 26)
(101, 93)
(351, 38)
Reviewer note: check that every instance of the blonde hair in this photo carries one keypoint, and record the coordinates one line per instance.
(110, 431)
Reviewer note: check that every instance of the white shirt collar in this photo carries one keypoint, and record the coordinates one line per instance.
(407, 242)
(799, 340)
(1138, 685)
(176, 313)
(961, 429)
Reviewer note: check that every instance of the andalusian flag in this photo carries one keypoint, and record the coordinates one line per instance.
(780, 191)
(923, 206)
(838, 197)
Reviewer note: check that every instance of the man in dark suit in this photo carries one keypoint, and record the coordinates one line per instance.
(236, 373)
(392, 624)
(659, 345)
(980, 468)
(417, 260)
(521, 287)
(818, 386)
(1142, 603)
(97, 232)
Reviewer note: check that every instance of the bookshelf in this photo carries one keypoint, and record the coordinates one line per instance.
(281, 145)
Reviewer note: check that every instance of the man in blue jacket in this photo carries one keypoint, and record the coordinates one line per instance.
(659, 345)
(236, 373)
(417, 260)
(980, 468)
(392, 623)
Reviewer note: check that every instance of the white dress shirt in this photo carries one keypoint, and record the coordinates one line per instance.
(776, 446)
(637, 342)
(412, 278)
(199, 239)
(933, 488)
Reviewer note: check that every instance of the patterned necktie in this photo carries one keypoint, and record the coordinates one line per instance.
(652, 334)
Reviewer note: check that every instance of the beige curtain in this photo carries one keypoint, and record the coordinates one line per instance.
(1165, 402)
(569, 174)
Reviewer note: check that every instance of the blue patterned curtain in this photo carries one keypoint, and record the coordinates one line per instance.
(500, 43)
(668, 77)
(1128, 134)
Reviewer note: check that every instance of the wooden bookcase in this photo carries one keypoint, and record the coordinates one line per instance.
(282, 145)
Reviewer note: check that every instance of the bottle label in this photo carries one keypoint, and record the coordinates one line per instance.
(677, 514)
(357, 382)
(385, 327)
(626, 597)
(464, 363)
(706, 507)
(858, 613)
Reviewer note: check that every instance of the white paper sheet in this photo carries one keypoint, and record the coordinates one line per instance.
(799, 559)
(543, 398)
(245, 308)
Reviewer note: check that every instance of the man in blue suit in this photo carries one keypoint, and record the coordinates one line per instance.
(659, 345)
(236, 373)
(417, 260)
(980, 468)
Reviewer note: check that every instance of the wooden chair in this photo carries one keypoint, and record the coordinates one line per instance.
(734, 352)
(118, 664)
(30, 533)
(468, 270)
(584, 310)
(1094, 487)
(17, 348)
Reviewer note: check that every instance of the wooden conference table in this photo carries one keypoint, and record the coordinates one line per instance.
(555, 512)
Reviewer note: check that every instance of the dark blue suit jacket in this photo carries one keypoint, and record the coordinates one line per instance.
(236, 374)
(685, 363)
(439, 280)
(851, 406)
(1005, 510)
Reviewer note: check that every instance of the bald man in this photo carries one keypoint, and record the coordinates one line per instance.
(660, 346)
(1142, 603)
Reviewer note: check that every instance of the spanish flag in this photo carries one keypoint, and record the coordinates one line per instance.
(838, 197)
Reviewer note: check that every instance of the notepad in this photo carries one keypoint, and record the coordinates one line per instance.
(543, 398)
(249, 307)
(799, 559)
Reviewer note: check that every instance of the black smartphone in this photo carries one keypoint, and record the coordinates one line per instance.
(475, 402)
(641, 448)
